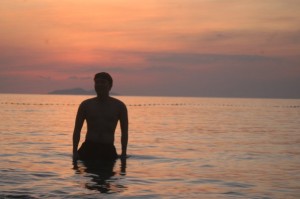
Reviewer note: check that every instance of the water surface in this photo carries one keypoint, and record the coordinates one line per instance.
(179, 147)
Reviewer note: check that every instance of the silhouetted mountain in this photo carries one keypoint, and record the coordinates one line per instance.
(73, 91)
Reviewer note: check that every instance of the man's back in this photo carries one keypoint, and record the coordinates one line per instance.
(102, 118)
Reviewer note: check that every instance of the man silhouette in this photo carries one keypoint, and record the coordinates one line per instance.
(102, 114)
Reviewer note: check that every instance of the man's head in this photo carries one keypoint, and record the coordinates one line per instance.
(104, 76)
(103, 83)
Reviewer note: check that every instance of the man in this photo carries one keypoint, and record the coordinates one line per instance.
(102, 114)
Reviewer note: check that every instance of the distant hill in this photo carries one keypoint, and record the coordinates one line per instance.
(73, 91)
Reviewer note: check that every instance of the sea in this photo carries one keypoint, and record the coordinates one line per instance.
(179, 147)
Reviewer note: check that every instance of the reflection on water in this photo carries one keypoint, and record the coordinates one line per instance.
(99, 175)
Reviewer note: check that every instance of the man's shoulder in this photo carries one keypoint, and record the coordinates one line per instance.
(117, 101)
(88, 101)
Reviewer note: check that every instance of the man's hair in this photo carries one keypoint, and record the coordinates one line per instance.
(104, 75)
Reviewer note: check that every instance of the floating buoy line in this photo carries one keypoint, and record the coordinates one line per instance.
(155, 104)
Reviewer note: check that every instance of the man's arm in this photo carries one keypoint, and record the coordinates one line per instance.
(124, 130)
(77, 129)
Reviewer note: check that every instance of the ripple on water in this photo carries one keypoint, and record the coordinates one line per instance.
(44, 174)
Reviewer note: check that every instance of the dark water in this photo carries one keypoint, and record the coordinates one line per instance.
(179, 147)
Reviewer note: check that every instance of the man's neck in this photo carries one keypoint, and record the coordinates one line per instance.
(103, 97)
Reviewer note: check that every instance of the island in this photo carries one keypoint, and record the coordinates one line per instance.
(75, 91)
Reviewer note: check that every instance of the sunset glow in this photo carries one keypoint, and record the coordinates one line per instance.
(202, 48)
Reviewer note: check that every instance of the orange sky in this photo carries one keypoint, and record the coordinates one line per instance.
(171, 47)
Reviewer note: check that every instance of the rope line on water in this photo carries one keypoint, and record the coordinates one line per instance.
(154, 104)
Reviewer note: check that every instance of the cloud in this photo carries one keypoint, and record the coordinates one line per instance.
(197, 58)
(79, 78)
(44, 77)
(169, 73)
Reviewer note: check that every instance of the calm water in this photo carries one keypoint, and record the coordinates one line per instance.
(179, 147)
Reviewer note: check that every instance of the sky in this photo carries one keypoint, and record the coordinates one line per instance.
(206, 48)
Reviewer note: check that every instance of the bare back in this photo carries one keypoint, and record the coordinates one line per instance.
(102, 118)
